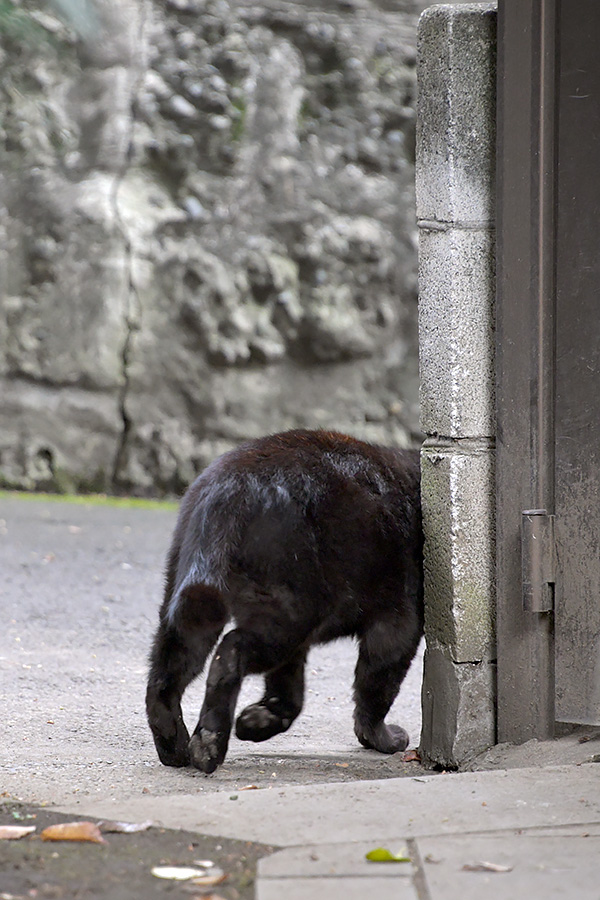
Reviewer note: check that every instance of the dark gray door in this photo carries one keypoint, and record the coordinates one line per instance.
(548, 366)
(577, 421)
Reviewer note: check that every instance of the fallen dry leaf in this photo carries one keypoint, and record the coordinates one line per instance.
(249, 787)
(124, 827)
(486, 867)
(15, 832)
(73, 831)
(411, 756)
(342, 765)
(177, 873)
(215, 876)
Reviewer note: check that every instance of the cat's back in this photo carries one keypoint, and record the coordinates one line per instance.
(301, 467)
(316, 453)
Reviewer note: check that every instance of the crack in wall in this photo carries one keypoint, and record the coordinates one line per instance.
(132, 301)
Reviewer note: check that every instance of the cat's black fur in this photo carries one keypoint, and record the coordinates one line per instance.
(300, 538)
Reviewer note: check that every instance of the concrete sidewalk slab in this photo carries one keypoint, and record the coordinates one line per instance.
(347, 888)
(540, 826)
(460, 804)
(547, 863)
(326, 860)
(332, 871)
(536, 865)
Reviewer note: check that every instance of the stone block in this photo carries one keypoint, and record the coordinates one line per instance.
(64, 440)
(456, 114)
(458, 708)
(456, 331)
(459, 523)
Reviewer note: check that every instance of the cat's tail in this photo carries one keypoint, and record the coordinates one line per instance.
(207, 536)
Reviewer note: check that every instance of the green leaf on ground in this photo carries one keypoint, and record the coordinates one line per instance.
(381, 854)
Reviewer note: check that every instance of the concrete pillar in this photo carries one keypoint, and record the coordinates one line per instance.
(456, 119)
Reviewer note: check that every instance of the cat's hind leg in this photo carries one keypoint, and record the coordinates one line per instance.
(182, 644)
(385, 653)
(281, 703)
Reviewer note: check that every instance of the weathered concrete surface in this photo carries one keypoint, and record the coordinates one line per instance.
(390, 810)
(455, 211)
(455, 174)
(207, 211)
(456, 324)
(530, 864)
(535, 865)
(457, 483)
(459, 711)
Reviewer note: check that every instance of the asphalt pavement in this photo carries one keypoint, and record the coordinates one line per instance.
(80, 590)
(80, 587)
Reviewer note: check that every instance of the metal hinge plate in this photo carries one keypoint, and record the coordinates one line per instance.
(538, 560)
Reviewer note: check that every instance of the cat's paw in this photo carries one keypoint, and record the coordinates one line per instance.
(384, 738)
(207, 750)
(172, 754)
(258, 723)
(170, 735)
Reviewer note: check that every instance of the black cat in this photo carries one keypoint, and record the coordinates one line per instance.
(300, 538)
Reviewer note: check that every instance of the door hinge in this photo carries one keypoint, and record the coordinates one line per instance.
(538, 560)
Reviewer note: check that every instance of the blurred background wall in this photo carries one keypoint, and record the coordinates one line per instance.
(207, 232)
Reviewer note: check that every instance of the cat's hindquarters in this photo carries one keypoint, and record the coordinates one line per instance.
(299, 538)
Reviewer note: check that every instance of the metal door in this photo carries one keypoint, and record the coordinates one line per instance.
(548, 366)
(577, 420)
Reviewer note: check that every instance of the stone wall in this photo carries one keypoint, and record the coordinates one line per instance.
(207, 233)
(456, 214)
